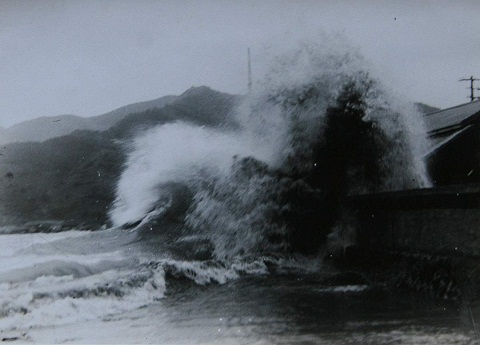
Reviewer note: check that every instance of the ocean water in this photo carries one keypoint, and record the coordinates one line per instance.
(112, 286)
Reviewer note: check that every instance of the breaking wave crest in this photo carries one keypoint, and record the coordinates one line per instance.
(174, 153)
(316, 129)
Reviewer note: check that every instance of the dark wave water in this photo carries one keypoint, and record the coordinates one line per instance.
(218, 233)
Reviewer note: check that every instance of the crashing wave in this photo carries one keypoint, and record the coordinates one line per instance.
(317, 129)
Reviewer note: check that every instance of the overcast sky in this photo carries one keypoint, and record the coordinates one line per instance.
(90, 57)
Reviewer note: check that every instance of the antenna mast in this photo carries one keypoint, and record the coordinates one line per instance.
(249, 72)
(471, 80)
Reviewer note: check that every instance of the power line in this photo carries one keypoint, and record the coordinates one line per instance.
(472, 88)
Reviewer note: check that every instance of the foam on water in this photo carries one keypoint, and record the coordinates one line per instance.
(344, 289)
(54, 286)
(71, 299)
(51, 288)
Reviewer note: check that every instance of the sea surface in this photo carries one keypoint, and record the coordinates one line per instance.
(117, 286)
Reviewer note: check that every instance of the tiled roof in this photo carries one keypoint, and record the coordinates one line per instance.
(452, 118)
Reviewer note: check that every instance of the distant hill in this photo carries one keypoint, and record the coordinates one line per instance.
(105, 121)
(43, 128)
(199, 105)
(73, 177)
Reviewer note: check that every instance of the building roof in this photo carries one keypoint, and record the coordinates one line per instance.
(440, 142)
(452, 119)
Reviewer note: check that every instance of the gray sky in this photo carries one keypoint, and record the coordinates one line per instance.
(90, 57)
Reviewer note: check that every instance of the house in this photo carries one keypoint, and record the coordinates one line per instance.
(455, 134)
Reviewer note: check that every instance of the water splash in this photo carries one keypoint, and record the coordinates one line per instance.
(175, 153)
(265, 186)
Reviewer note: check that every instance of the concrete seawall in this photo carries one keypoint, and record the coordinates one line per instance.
(426, 239)
(442, 221)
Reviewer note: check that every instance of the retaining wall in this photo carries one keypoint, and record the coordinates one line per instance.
(438, 221)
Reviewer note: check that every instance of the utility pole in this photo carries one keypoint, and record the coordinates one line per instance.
(249, 72)
(471, 79)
